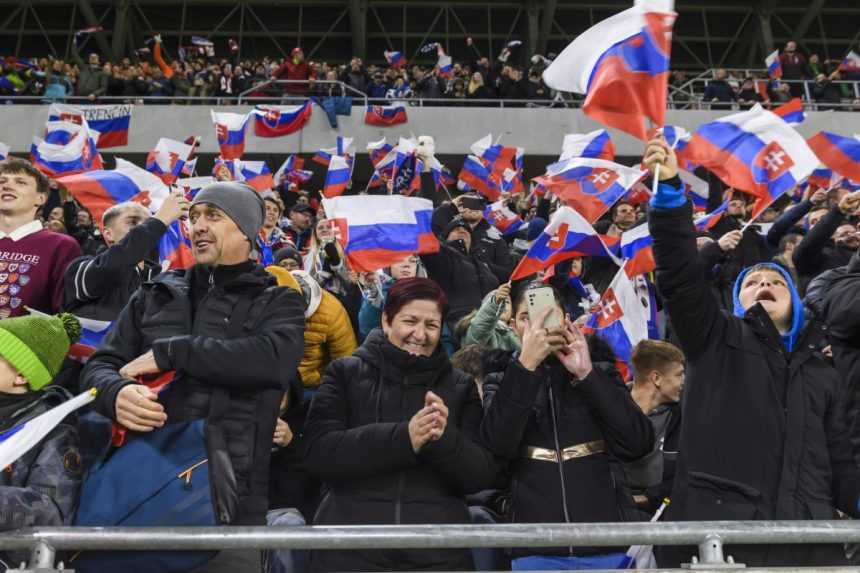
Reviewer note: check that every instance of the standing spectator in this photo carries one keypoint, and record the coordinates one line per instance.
(536, 89)
(100, 286)
(295, 69)
(658, 378)
(562, 421)
(379, 87)
(246, 373)
(755, 370)
(719, 93)
(298, 228)
(356, 75)
(92, 80)
(826, 92)
(794, 68)
(58, 86)
(428, 84)
(391, 432)
(478, 89)
(512, 85)
(33, 260)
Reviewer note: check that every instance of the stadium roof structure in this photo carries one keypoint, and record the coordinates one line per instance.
(708, 33)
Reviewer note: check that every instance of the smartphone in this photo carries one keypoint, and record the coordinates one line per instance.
(538, 300)
(472, 203)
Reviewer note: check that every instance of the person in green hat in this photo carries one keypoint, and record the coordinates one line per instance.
(41, 487)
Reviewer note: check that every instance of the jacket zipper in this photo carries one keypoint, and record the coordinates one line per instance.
(559, 460)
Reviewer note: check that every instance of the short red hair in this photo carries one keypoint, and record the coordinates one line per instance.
(404, 291)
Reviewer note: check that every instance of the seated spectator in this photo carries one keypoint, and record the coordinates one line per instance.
(40, 488)
(551, 382)
(755, 370)
(246, 374)
(396, 413)
(658, 379)
(99, 287)
(33, 260)
(719, 93)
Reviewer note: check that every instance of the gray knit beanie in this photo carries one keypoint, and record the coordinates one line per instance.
(240, 202)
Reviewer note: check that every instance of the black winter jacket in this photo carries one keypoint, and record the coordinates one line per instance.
(545, 409)
(186, 332)
(99, 287)
(764, 434)
(817, 253)
(488, 244)
(358, 443)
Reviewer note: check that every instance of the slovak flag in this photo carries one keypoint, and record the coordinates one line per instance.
(620, 319)
(754, 151)
(174, 247)
(168, 159)
(92, 334)
(343, 147)
(383, 170)
(706, 222)
(823, 178)
(20, 439)
(338, 176)
(851, 62)
(230, 133)
(596, 145)
(622, 66)
(678, 138)
(256, 174)
(406, 174)
(498, 157)
(192, 185)
(62, 132)
(774, 66)
(291, 171)
(280, 120)
(840, 153)
(696, 189)
(478, 177)
(4, 151)
(377, 231)
(444, 63)
(79, 154)
(591, 186)
(102, 189)
(637, 251)
(499, 216)
(377, 150)
(791, 112)
(111, 121)
(395, 59)
(568, 235)
(386, 115)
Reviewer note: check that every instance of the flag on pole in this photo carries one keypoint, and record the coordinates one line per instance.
(499, 216)
(838, 152)
(168, 159)
(851, 62)
(230, 133)
(79, 154)
(774, 66)
(338, 176)
(395, 59)
(636, 248)
(596, 144)
(791, 112)
(174, 246)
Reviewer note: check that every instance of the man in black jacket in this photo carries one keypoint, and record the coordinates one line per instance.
(98, 287)
(764, 431)
(178, 322)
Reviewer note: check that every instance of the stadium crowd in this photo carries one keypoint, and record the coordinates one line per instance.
(428, 392)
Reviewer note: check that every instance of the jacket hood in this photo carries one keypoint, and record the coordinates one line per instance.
(797, 312)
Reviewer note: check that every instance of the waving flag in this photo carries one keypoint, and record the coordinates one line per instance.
(478, 177)
(92, 333)
(851, 62)
(636, 251)
(823, 178)
(444, 64)
(696, 189)
(377, 231)
(168, 159)
(4, 151)
(76, 156)
(591, 186)
(498, 157)
(791, 112)
(174, 247)
(280, 120)
(622, 66)
(596, 144)
(377, 150)
(386, 115)
(840, 153)
(620, 319)
(112, 122)
(383, 170)
(395, 59)
(774, 66)
(192, 185)
(678, 138)
(292, 172)
(62, 132)
(568, 235)
(753, 151)
(343, 147)
(706, 222)
(406, 173)
(338, 176)
(499, 216)
(100, 190)
(255, 173)
(230, 133)
(20, 439)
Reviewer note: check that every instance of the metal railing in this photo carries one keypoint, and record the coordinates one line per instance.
(710, 537)
(312, 90)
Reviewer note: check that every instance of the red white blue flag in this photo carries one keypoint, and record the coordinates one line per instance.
(395, 59)
(838, 152)
(79, 154)
(774, 66)
(343, 147)
(636, 248)
(280, 120)
(377, 150)
(499, 216)
(338, 176)
(596, 145)
(230, 133)
(168, 159)
(622, 66)
(386, 115)
(791, 112)
(706, 222)
(112, 122)
(478, 176)
(851, 62)
(174, 246)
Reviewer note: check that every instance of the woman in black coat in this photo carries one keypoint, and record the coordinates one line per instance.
(551, 404)
(390, 432)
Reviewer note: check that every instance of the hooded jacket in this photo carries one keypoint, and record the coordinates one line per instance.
(763, 425)
(358, 443)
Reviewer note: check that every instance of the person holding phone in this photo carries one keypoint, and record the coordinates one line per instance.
(561, 416)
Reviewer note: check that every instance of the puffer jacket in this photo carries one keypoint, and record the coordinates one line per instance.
(182, 316)
(358, 443)
(328, 332)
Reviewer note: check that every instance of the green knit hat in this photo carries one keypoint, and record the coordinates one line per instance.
(36, 345)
